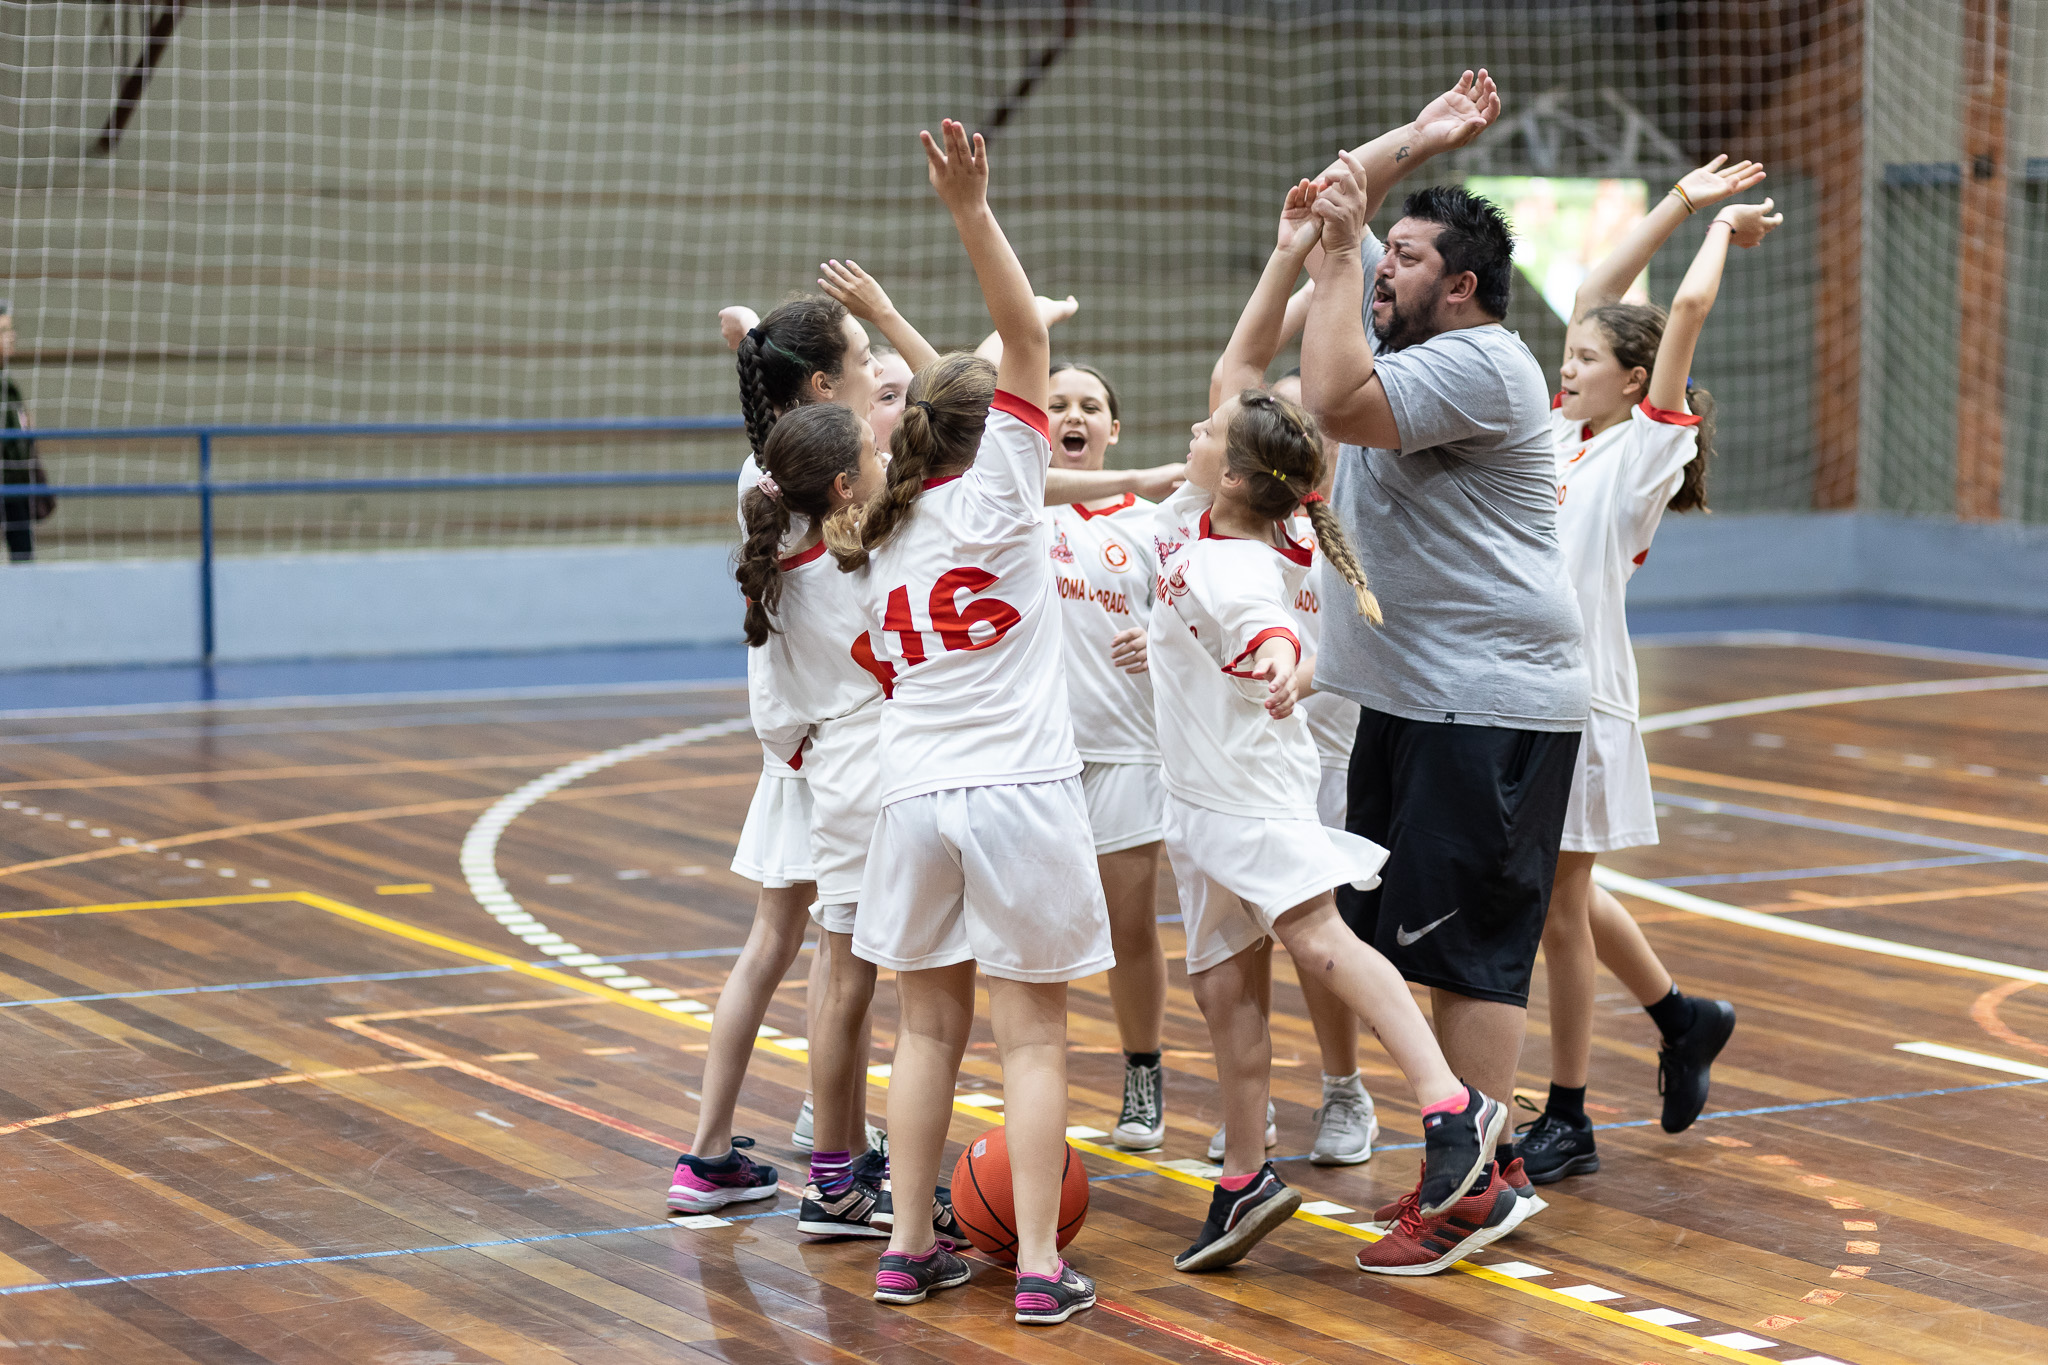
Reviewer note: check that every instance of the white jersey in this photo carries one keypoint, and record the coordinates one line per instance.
(1219, 599)
(1611, 493)
(964, 606)
(750, 475)
(819, 664)
(1332, 720)
(1102, 561)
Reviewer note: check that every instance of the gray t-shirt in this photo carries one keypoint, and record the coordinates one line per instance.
(1458, 534)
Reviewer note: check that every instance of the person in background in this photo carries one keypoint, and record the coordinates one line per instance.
(19, 463)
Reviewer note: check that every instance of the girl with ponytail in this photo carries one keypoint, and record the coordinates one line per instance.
(810, 352)
(1633, 436)
(1251, 859)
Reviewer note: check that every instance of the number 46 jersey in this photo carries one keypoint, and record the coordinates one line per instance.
(965, 608)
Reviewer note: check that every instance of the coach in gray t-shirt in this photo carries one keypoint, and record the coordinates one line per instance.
(1474, 690)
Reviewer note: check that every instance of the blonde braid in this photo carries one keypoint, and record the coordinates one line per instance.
(1339, 554)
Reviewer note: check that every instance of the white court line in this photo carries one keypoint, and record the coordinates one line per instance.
(1969, 1058)
(1836, 696)
(342, 701)
(1798, 639)
(1626, 885)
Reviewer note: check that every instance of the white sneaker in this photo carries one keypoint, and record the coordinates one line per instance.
(1272, 1136)
(1142, 1125)
(1346, 1124)
(800, 1135)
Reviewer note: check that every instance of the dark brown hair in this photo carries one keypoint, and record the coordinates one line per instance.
(808, 450)
(1634, 331)
(1273, 446)
(777, 358)
(1115, 411)
(945, 411)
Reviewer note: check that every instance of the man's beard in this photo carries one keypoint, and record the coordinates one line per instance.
(1406, 327)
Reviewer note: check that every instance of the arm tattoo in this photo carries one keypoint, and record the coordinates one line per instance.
(1401, 155)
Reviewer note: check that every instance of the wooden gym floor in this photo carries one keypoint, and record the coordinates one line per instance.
(279, 1088)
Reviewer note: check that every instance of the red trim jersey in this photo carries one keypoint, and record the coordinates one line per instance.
(819, 664)
(1103, 571)
(1219, 598)
(1332, 720)
(963, 603)
(1611, 493)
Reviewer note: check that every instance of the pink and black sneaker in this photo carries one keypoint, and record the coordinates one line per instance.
(903, 1278)
(702, 1186)
(1043, 1299)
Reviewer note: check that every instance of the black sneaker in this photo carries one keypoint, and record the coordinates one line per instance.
(847, 1212)
(944, 1225)
(1684, 1062)
(1238, 1219)
(1045, 1299)
(1551, 1148)
(873, 1167)
(1142, 1125)
(1457, 1149)
(907, 1279)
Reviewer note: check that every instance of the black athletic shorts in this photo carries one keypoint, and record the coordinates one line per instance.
(1471, 816)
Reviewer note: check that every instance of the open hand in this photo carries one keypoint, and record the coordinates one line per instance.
(1127, 650)
(1298, 226)
(1160, 482)
(1751, 222)
(859, 291)
(735, 322)
(1052, 312)
(1341, 207)
(1713, 182)
(1460, 114)
(958, 167)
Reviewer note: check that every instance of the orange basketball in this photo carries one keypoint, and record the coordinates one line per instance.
(982, 1201)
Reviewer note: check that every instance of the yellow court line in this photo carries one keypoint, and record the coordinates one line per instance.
(1834, 798)
(477, 952)
(380, 769)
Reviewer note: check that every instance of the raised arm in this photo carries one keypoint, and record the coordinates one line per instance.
(1262, 327)
(959, 173)
(1052, 312)
(1337, 380)
(1610, 278)
(865, 298)
(1445, 124)
(1156, 484)
(1743, 224)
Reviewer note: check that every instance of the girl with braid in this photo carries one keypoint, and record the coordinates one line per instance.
(810, 351)
(1250, 857)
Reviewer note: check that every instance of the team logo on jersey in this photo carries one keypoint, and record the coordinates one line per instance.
(1061, 550)
(1116, 557)
(1166, 549)
(1176, 586)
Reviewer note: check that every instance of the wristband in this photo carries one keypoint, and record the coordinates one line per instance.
(1685, 199)
(1728, 223)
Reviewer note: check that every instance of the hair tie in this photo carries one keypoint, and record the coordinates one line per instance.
(1278, 475)
(920, 403)
(1313, 497)
(770, 489)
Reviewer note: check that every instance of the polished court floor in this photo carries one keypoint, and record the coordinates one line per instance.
(281, 1084)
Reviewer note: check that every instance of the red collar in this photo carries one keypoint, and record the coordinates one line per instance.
(1130, 500)
(799, 560)
(1287, 549)
(934, 483)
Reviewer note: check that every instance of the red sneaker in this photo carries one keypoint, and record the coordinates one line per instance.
(1422, 1246)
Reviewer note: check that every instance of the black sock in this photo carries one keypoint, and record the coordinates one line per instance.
(1141, 1059)
(1672, 1014)
(1567, 1102)
(1503, 1154)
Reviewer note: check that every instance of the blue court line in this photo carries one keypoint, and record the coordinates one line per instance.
(351, 980)
(99, 1280)
(1854, 870)
(1778, 817)
(1786, 1108)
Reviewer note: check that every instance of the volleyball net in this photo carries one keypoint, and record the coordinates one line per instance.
(253, 211)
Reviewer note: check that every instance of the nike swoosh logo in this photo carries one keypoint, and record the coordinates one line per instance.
(1404, 937)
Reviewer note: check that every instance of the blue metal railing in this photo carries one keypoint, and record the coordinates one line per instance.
(206, 488)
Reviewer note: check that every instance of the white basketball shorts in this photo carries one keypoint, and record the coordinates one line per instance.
(1126, 804)
(1610, 806)
(775, 841)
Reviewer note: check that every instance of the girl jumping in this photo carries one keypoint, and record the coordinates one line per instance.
(1633, 439)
